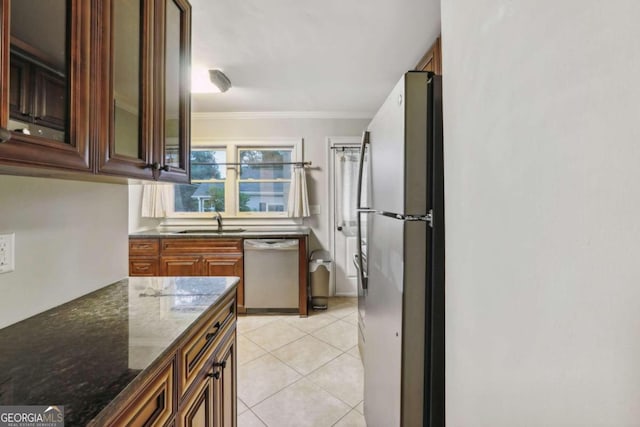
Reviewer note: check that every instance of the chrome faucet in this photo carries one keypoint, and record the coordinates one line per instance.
(218, 218)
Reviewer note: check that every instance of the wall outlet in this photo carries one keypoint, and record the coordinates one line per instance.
(7, 251)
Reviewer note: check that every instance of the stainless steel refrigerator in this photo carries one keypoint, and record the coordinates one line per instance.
(401, 257)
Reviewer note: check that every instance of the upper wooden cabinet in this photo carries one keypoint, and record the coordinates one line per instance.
(143, 63)
(173, 53)
(432, 60)
(44, 75)
(102, 87)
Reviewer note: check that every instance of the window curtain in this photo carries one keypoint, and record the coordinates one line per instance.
(156, 200)
(298, 205)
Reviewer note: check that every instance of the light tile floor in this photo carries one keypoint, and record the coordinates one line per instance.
(295, 371)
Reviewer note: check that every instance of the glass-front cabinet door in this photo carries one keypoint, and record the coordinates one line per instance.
(173, 52)
(95, 86)
(125, 100)
(44, 64)
(143, 110)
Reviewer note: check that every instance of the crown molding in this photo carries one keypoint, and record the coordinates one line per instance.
(240, 115)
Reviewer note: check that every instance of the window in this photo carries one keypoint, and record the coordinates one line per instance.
(238, 179)
(206, 193)
(263, 182)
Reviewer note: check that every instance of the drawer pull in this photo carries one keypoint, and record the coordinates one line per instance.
(143, 268)
(212, 335)
(215, 375)
(222, 364)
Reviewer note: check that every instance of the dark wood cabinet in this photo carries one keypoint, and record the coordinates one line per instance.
(195, 385)
(194, 257)
(144, 267)
(432, 60)
(20, 90)
(183, 265)
(144, 257)
(32, 93)
(180, 256)
(198, 410)
(49, 99)
(213, 401)
(37, 95)
(173, 94)
(154, 404)
(222, 265)
(226, 392)
(109, 101)
(137, 43)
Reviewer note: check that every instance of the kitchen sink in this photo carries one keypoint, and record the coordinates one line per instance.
(210, 231)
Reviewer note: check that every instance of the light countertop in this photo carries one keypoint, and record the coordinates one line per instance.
(86, 352)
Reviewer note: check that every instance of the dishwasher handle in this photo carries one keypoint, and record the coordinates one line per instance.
(271, 244)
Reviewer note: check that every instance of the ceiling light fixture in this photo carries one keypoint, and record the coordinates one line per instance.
(209, 81)
(219, 80)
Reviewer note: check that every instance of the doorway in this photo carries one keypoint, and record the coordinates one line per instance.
(343, 176)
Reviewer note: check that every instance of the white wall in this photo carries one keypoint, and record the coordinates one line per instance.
(542, 173)
(70, 238)
(314, 132)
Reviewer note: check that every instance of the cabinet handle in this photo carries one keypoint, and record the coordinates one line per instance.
(215, 375)
(222, 364)
(211, 335)
(5, 135)
(156, 166)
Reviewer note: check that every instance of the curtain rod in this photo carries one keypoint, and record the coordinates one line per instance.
(254, 163)
(345, 148)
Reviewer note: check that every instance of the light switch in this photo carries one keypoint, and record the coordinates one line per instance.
(7, 251)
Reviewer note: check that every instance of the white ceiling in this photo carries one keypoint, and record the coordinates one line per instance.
(309, 55)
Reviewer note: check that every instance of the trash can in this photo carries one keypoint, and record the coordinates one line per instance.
(320, 270)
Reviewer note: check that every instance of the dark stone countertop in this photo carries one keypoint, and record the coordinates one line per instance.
(85, 353)
(248, 232)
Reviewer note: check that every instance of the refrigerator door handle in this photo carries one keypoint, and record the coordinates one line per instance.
(358, 256)
(361, 209)
(428, 218)
(363, 150)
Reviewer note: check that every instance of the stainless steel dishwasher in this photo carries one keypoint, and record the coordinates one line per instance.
(271, 275)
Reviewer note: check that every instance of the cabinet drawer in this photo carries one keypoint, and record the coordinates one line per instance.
(144, 267)
(199, 348)
(200, 246)
(144, 247)
(154, 405)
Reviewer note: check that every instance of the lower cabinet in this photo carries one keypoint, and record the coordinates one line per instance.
(181, 265)
(207, 256)
(196, 384)
(213, 400)
(153, 406)
(227, 392)
(188, 257)
(198, 410)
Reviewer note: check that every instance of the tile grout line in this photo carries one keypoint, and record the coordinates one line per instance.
(333, 319)
(276, 392)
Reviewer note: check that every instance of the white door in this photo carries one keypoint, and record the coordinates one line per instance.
(343, 159)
